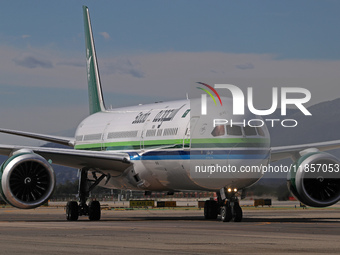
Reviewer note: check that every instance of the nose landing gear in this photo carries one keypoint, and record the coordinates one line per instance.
(231, 211)
(227, 205)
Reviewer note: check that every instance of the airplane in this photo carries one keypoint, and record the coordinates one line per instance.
(154, 147)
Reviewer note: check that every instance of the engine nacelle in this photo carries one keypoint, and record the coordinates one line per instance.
(27, 180)
(314, 179)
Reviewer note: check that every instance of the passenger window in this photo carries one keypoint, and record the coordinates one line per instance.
(234, 130)
(218, 131)
(248, 130)
(260, 131)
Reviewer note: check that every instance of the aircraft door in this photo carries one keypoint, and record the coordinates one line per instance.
(147, 126)
(189, 129)
(104, 136)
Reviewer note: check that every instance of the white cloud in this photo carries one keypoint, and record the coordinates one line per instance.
(31, 61)
(165, 76)
(245, 66)
(123, 66)
(105, 35)
(45, 120)
(74, 63)
(20, 67)
(169, 73)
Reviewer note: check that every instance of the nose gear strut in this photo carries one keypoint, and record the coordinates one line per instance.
(227, 205)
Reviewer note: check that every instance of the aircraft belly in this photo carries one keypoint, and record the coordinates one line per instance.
(161, 174)
(175, 175)
(171, 174)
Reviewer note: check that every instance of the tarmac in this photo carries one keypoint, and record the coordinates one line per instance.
(278, 230)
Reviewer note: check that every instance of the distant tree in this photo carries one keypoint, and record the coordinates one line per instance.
(260, 190)
(282, 192)
(69, 189)
(66, 189)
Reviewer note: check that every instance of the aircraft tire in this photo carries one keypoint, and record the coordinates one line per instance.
(94, 211)
(237, 212)
(72, 212)
(210, 209)
(226, 214)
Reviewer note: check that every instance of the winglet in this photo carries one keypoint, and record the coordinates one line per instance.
(96, 101)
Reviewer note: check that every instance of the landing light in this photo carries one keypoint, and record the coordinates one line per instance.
(230, 190)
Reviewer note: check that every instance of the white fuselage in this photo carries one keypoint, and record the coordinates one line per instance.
(167, 142)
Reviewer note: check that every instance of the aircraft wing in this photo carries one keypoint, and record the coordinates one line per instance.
(48, 138)
(99, 160)
(282, 152)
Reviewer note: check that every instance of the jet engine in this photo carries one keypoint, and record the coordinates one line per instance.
(27, 180)
(314, 179)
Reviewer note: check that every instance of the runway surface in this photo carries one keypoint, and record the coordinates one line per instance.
(263, 231)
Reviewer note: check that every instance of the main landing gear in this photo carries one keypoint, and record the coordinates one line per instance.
(226, 205)
(74, 210)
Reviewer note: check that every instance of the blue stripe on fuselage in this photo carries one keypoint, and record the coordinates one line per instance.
(201, 154)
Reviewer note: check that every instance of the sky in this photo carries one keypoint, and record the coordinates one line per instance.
(153, 50)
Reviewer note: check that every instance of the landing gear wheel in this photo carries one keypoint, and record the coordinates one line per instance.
(210, 209)
(226, 214)
(94, 210)
(237, 212)
(72, 212)
(229, 206)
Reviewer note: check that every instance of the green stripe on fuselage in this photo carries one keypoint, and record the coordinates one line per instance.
(178, 143)
(229, 142)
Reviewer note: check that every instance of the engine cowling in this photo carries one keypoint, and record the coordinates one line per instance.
(314, 179)
(27, 180)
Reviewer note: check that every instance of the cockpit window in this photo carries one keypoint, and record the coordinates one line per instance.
(260, 131)
(218, 131)
(248, 130)
(234, 130)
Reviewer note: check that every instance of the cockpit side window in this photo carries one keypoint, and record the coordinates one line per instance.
(260, 131)
(218, 130)
(234, 130)
(248, 130)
